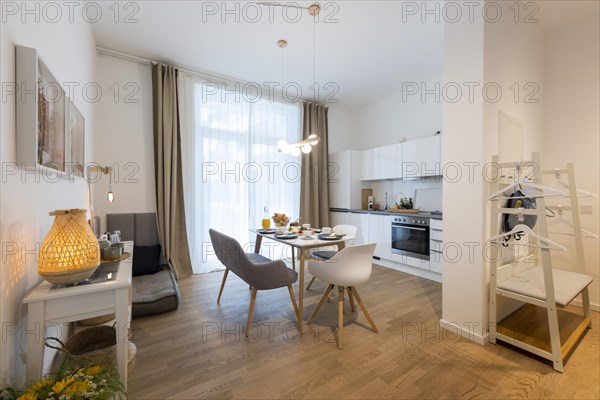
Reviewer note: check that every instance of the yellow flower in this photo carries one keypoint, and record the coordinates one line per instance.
(59, 386)
(40, 384)
(76, 387)
(94, 370)
(28, 396)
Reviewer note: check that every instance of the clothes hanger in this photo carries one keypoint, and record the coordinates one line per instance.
(564, 221)
(500, 194)
(522, 229)
(560, 184)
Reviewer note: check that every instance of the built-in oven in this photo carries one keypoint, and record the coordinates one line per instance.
(410, 236)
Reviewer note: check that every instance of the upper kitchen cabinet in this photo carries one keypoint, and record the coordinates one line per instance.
(422, 157)
(344, 179)
(413, 159)
(390, 161)
(381, 162)
(369, 164)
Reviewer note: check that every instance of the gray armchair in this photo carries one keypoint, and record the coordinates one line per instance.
(257, 271)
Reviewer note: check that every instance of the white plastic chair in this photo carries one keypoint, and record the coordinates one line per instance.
(348, 230)
(348, 268)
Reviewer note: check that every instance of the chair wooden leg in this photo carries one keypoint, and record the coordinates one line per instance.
(351, 298)
(222, 284)
(316, 310)
(340, 316)
(364, 309)
(250, 311)
(311, 282)
(293, 297)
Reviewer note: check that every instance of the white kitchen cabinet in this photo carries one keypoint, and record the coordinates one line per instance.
(422, 157)
(436, 245)
(388, 161)
(361, 222)
(380, 232)
(344, 179)
(369, 164)
(339, 218)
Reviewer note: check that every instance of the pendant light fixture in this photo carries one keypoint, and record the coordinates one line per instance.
(304, 146)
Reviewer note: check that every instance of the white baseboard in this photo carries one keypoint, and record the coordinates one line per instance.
(465, 332)
(423, 273)
(593, 306)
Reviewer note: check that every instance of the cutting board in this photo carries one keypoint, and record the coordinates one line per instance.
(404, 210)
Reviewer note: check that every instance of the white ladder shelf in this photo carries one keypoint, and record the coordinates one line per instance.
(541, 326)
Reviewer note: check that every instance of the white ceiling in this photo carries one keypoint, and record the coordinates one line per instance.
(367, 53)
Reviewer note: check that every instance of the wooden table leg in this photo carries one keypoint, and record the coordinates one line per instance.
(294, 258)
(301, 292)
(257, 244)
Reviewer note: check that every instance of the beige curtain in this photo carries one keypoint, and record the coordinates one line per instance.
(314, 190)
(167, 168)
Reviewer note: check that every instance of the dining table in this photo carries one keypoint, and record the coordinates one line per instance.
(302, 246)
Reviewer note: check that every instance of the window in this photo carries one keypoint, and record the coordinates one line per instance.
(231, 168)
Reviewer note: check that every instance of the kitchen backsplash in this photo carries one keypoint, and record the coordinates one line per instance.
(426, 193)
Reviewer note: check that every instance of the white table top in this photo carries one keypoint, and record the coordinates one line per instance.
(304, 243)
(45, 290)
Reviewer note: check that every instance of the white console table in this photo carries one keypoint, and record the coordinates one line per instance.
(47, 306)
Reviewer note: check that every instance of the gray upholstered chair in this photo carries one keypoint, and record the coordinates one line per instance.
(257, 271)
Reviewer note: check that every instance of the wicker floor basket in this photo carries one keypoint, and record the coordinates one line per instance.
(95, 345)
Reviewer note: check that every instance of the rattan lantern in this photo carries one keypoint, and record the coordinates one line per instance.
(70, 252)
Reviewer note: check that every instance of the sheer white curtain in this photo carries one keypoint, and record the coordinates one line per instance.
(231, 168)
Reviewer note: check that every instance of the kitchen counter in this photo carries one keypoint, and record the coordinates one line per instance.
(383, 212)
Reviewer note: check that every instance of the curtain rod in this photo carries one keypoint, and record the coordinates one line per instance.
(146, 61)
(202, 74)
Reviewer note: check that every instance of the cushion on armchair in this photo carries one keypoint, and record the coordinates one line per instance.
(153, 292)
(146, 260)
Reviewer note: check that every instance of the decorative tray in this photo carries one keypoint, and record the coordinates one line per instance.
(120, 258)
(286, 236)
(329, 236)
(404, 210)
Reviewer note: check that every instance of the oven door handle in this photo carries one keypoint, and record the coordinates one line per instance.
(408, 227)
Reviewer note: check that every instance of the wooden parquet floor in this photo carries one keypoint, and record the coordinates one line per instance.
(200, 352)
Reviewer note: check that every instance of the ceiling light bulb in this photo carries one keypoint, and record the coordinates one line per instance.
(306, 148)
(283, 146)
(295, 152)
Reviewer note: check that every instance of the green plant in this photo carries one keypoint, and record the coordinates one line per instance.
(92, 382)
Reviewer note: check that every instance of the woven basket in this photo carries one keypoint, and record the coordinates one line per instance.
(96, 345)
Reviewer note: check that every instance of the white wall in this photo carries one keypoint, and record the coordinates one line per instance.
(572, 128)
(343, 134)
(408, 114)
(463, 287)
(514, 62)
(68, 49)
(514, 54)
(124, 138)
